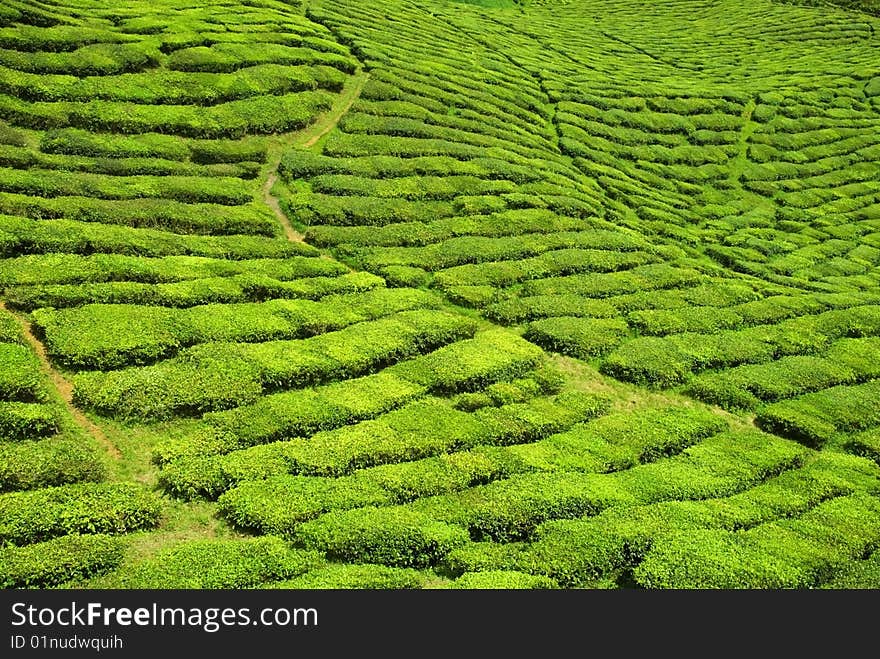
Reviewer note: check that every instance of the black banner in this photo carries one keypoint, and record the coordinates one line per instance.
(131, 623)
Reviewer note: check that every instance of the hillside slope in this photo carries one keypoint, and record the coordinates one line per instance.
(439, 294)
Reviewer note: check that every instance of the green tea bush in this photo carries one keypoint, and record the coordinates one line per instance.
(120, 335)
(473, 364)
(27, 465)
(343, 576)
(787, 377)
(577, 337)
(648, 361)
(519, 309)
(815, 418)
(28, 420)
(26, 236)
(78, 142)
(621, 440)
(795, 553)
(502, 579)
(37, 515)
(226, 191)
(166, 214)
(576, 551)
(239, 563)
(866, 443)
(20, 377)
(303, 412)
(690, 319)
(60, 560)
(860, 574)
(213, 376)
(390, 536)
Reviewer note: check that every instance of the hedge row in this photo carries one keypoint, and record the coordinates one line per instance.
(816, 418)
(163, 87)
(226, 57)
(19, 158)
(109, 336)
(797, 553)
(491, 356)
(167, 214)
(278, 503)
(858, 574)
(28, 420)
(77, 142)
(424, 532)
(214, 376)
(519, 309)
(28, 464)
(211, 564)
(502, 580)
(866, 443)
(577, 337)
(363, 211)
(192, 292)
(301, 164)
(577, 551)
(22, 158)
(390, 536)
(559, 262)
(409, 187)
(20, 376)
(848, 361)
(668, 361)
(649, 277)
(342, 576)
(37, 515)
(22, 236)
(303, 412)
(511, 509)
(94, 268)
(227, 191)
(511, 222)
(422, 429)
(96, 59)
(621, 440)
(57, 561)
(605, 250)
(10, 329)
(231, 120)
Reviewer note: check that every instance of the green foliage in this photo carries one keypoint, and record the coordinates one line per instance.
(816, 418)
(20, 377)
(28, 420)
(473, 364)
(37, 515)
(795, 553)
(342, 576)
(64, 559)
(502, 579)
(214, 376)
(105, 336)
(240, 563)
(389, 536)
(577, 337)
(27, 465)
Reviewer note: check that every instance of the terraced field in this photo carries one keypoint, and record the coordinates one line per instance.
(436, 294)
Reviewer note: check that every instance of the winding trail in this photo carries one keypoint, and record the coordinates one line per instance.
(63, 386)
(306, 139)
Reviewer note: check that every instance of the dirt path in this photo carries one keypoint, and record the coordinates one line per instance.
(271, 201)
(305, 139)
(64, 387)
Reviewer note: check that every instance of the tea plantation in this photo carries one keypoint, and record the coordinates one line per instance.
(439, 294)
